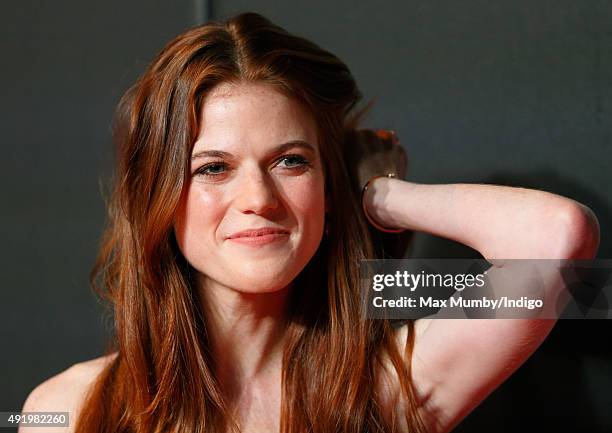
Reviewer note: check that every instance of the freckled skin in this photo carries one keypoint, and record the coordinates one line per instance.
(251, 189)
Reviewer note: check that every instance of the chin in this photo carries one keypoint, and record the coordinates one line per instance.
(261, 284)
(256, 290)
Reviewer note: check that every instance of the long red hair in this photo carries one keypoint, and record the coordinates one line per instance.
(163, 378)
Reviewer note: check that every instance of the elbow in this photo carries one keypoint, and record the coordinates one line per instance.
(579, 229)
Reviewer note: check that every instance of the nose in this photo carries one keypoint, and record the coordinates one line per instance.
(257, 192)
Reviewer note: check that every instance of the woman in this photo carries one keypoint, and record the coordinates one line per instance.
(233, 247)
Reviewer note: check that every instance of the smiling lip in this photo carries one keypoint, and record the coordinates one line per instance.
(260, 236)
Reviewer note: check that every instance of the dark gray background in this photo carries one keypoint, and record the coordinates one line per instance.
(510, 92)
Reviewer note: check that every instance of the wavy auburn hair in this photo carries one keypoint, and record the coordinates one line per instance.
(163, 377)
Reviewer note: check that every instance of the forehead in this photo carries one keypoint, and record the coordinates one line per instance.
(235, 114)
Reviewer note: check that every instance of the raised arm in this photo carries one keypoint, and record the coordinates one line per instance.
(497, 221)
(457, 363)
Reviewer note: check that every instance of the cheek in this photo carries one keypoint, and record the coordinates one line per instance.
(307, 200)
(202, 213)
(197, 221)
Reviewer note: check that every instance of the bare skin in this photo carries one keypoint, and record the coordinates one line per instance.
(456, 363)
(243, 288)
(454, 378)
(64, 392)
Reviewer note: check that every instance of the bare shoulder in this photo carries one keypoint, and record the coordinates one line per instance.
(65, 392)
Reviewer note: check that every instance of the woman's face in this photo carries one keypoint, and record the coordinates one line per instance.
(255, 164)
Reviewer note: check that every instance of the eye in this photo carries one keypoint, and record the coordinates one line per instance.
(298, 161)
(214, 169)
(214, 166)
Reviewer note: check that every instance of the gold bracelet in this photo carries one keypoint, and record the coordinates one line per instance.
(370, 220)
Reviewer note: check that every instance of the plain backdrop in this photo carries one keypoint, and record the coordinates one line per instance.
(515, 92)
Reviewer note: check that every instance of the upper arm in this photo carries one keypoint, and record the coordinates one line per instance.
(458, 362)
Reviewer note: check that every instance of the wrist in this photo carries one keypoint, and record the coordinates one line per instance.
(373, 197)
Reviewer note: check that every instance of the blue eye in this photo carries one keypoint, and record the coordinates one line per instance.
(300, 160)
(203, 170)
(292, 162)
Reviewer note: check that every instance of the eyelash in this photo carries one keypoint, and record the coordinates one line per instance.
(302, 162)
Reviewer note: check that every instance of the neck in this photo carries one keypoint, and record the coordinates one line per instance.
(246, 333)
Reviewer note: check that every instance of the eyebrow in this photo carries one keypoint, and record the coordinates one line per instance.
(278, 149)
